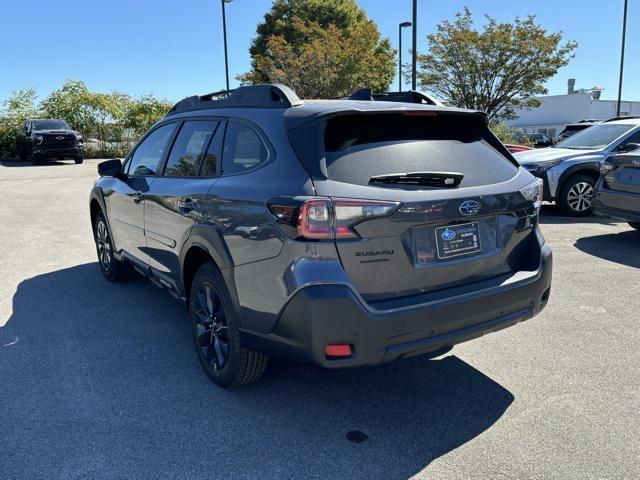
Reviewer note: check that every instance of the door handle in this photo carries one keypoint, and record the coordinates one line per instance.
(138, 197)
(186, 206)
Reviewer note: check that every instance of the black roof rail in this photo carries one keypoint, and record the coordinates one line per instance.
(250, 96)
(361, 94)
(622, 117)
(409, 96)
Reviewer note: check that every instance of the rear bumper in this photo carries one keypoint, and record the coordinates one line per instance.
(333, 314)
(615, 204)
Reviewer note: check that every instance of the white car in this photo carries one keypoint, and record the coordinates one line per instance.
(570, 169)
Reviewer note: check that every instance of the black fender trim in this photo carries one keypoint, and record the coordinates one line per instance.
(209, 238)
(590, 167)
(98, 196)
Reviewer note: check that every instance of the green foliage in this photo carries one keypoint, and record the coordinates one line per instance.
(504, 133)
(109, 122)
(15, 111)
(496, 70)
(141, 114)
(320, 48)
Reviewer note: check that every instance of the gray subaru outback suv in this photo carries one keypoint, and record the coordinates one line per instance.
(345, 233)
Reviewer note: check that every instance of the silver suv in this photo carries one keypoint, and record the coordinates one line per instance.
(570, 169)
(344, 233)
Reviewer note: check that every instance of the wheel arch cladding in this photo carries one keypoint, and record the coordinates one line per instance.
(94, 208)
(591, 169)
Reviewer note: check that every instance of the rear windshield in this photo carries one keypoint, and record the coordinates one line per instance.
(359, 147)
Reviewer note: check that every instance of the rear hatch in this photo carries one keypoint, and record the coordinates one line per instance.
(460, 218)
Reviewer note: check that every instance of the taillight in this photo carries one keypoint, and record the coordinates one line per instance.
(320, 218)
(533, 192)
(314, 220)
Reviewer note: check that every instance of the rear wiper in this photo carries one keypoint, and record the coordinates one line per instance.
(434, 179)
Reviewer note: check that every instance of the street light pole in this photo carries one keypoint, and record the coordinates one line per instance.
(400, 27)
(414, 53)
(624, 35)
(224, 34)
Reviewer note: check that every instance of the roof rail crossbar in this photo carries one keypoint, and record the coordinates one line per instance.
(409, 96)
(361, 94)
(250, 96)
(216, 95)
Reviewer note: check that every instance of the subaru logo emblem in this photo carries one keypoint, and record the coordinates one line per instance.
(469, 207)
(448, 235)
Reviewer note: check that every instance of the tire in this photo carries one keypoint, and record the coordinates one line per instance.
(576, 194)
(215, 332)
(79, 159)
(113, 269)
(22, 153)
(37, 159)
(28, 155)
(635, 225)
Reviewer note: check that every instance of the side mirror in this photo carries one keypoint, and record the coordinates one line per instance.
(629, 147)
(110, 168)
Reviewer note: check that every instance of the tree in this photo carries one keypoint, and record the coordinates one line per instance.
(143, 112)
(320, 48)
(498, 69)
(15, 111)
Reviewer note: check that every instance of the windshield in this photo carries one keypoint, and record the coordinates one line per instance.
(596, 137)
(50, 125)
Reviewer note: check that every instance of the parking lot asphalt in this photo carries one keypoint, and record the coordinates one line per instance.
(100, 380)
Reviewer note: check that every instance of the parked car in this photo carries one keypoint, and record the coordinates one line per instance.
(574, 128)
(386, 230)
(538, 140)
(618, 190)
(570, 169)
(45, 139)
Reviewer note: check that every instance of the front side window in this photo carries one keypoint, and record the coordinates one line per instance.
(596, 137)
(243, 149)
(189, 148)
(633, 138)
(147, 156)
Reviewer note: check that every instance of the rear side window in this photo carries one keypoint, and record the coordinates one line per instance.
(189, 148)
(359, 147)
(243, 149)
(147, 156)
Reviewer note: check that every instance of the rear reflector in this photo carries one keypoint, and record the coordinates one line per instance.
(339, 350)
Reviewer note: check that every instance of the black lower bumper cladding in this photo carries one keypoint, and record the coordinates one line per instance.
(322, 315)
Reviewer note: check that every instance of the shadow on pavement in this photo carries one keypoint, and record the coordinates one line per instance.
(17, 163)
(623, 247)
(552, 215)
(101, 380)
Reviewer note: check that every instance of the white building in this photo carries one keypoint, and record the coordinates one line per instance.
(556, 111)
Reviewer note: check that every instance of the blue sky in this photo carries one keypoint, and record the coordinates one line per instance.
(174, 49)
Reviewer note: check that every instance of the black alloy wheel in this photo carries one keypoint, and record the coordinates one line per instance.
(210, 325)
(111, 267)
(215, 332)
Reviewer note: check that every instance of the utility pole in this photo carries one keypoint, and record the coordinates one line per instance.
(400, 27)
(224, 34)
(624, 35)
(414, 53)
